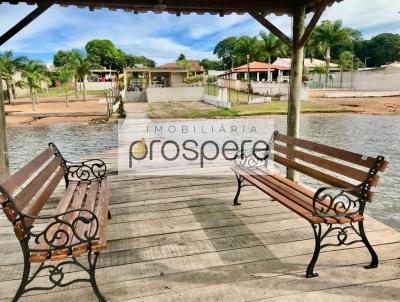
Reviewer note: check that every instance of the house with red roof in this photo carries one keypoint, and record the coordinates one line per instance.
(193, 66)
(258, 71)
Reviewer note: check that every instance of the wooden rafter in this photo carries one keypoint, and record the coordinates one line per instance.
(314, 20)
(24, 22)
(272, 28)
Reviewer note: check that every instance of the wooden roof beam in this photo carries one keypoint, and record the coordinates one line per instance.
(272, 28)
(23, 23)
(311, 26)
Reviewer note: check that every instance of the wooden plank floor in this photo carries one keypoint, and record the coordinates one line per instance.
(180, 239)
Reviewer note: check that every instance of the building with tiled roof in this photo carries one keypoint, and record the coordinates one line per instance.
(258, 71)
(195, 66)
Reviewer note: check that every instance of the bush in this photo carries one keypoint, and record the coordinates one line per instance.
(194, 79)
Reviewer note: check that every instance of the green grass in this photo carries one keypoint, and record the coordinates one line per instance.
(281, 108)
(195, 113)
(55, 91)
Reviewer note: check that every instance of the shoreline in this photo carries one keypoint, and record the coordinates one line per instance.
(100, 119)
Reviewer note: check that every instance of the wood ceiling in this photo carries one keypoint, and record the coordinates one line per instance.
(178, 7)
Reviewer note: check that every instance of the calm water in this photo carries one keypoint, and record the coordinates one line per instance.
(369, 135)
(75, 141)
(366, 134)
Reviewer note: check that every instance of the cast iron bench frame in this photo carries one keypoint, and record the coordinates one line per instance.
(69, 234)
(338, 207)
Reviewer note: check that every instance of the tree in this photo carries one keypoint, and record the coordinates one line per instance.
(83, 67)
(181, 57)
(328, 35)
(8, 68)
(104, 53)
(212, 64)
(65, 74)
(248, 46)
(347, 60)
(272, 48)
(381, 49)
(72, 59)
(131, 60)
(34, 73)
(225, 50)
(320, 70)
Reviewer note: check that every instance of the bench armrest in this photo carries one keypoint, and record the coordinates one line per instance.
(251, 160)
(59, 233)
(337, 202)
(86, 170)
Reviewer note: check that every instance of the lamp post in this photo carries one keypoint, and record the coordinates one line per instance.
(248, 78)
(365, 61)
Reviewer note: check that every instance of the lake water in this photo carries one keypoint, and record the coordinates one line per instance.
(366, 134)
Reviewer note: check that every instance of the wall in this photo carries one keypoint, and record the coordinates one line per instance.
(216, 101)
(98, 85)
(177, 79)
(175, 94)
(360, 81)
(264, 88)
(134, 96)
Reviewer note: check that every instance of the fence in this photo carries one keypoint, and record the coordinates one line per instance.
(112, 100)
(359, 81)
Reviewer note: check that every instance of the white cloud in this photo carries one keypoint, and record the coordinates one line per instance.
(164, 36)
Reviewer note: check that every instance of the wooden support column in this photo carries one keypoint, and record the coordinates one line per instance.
(4, 160)
(24, 22)
(294, 105)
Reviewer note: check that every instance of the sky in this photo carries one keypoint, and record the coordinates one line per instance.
(163, 37)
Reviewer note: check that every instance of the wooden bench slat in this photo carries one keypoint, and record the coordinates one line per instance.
(26, 195)
(294, 195)
(339, 168)
(283, 187)
(44, 195)
(76, 203)
(90, 204)
(304, 190)
(22, 175)
(282, 198)
(318, 175)
(102, 215)
(61, 208)
(355, 158)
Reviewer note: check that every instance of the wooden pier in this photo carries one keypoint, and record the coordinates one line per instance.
(180, 239)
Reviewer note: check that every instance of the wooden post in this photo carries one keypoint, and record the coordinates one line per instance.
(4, 161)
(294, 105)
(125, 80)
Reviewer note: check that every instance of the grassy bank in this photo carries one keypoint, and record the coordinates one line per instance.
(202, 110)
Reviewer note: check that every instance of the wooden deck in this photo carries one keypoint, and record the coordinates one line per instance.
(180, 239)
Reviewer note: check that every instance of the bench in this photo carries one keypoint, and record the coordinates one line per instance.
(334, 210)
(52, 238)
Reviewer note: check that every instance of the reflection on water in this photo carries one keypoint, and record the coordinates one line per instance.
(366, 134)
(369, 135)
(75, 141)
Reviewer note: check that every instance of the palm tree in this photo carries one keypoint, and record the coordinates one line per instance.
(272, 47)
(65, 74)
(34, 73)
(83, 67)
(9, 67)
(328, 35)
(246, 45)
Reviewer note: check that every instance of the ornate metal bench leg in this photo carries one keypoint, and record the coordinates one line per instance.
(375, 261)
(92, 273)
(240, 180)
(317, 234)
(25, 275)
